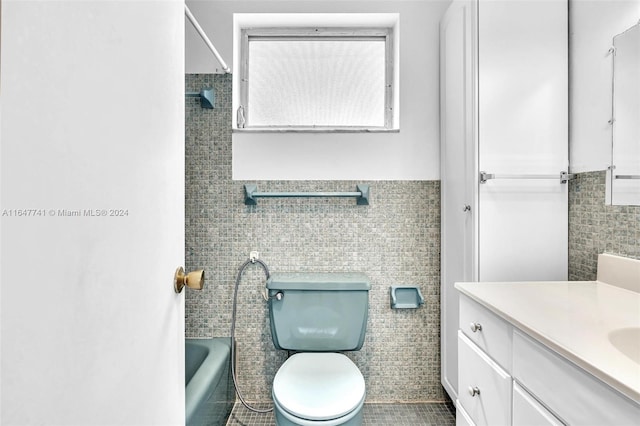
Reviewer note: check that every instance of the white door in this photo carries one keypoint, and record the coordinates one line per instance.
(92, 204)
(458, 174)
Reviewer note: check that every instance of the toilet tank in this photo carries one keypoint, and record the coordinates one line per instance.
(318, 312)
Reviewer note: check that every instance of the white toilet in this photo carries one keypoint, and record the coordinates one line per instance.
(317, 316)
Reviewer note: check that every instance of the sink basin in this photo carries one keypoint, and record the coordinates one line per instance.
(627, 341)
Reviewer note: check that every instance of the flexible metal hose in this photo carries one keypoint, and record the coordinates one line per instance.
(233, 332)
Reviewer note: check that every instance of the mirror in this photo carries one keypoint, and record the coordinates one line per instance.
(624, 172)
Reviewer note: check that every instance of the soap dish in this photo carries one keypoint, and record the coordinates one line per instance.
(406, 297)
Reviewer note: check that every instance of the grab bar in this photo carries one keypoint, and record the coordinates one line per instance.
(627, 176)
(251, 193)
(563, 176)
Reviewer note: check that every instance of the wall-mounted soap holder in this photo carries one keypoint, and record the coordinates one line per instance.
(406, 297)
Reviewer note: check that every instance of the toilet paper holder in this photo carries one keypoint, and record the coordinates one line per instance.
(405, 297)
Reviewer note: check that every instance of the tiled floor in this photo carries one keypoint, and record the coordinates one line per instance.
(432, 414)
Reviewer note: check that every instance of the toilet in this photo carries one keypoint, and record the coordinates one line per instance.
(318, 316)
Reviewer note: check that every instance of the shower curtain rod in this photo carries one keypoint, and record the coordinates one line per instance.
(198, 28)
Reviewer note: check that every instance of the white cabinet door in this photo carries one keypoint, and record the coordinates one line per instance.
(504, 100)
(577, 397)
(529, 412)
(458, 173)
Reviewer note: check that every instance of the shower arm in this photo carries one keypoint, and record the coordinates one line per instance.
(210, 45)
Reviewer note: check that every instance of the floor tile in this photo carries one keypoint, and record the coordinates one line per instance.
(423, 414)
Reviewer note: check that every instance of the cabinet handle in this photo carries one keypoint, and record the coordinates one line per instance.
(466, 208)
(473, 391)
(476, 326)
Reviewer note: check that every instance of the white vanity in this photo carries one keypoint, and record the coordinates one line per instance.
(551, 353)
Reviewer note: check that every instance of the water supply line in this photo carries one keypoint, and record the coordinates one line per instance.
(253, 259)
(206, 40)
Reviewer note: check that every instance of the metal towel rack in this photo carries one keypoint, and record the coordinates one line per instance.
(627, 176)
(251, 193)
(563, 176)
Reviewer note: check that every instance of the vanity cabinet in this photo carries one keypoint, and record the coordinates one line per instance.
(528, 411)
(576, 396)
(507, 378)
(504, 111)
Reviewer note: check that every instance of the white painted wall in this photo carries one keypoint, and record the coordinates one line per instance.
(92, 118)
(411, 154)
(593, 23)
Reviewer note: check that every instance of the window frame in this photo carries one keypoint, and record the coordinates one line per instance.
(316, 33)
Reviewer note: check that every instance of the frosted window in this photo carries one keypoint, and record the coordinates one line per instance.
(321, 82)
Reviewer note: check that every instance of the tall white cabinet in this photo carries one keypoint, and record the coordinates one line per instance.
(504, 111)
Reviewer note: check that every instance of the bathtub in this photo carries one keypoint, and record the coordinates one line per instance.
(209, 393)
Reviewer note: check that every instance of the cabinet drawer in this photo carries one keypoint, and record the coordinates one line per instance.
(462, 418)
(529, 412)
(492, 334)
(492, 405)
(574, 395)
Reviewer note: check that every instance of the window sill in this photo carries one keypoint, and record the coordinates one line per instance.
(312, 130)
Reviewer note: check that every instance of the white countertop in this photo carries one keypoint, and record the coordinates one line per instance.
(574, 319)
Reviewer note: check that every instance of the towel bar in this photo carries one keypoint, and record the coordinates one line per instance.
(251, 193)
(563, 176)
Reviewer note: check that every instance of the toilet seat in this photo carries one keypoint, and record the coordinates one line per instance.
(319, 386)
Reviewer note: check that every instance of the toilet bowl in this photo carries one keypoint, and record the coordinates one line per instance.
(318, 389)
(318, 315)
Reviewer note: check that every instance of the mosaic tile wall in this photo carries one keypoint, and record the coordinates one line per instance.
(595, 228)
(395, 241)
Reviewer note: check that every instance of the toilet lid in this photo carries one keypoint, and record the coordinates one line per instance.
(318, 386)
